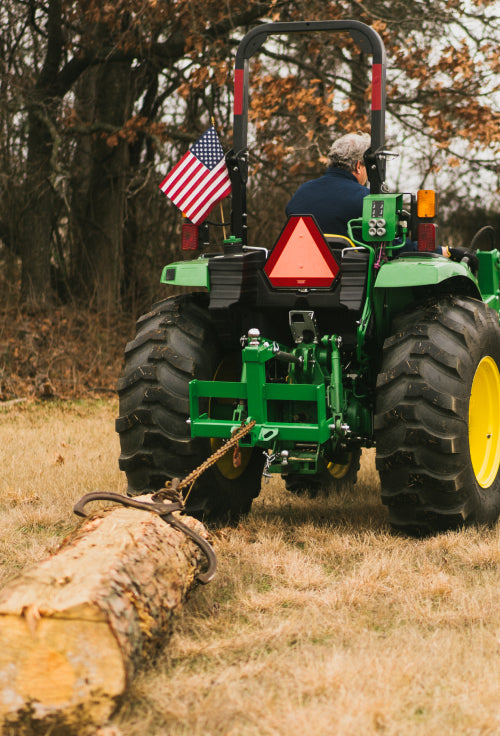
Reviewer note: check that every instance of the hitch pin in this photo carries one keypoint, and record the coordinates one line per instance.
(269, 461)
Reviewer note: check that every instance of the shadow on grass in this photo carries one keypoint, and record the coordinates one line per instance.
(355, 518)
(356, 508)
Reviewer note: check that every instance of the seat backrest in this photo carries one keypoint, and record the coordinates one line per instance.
(338, 242)
(353, 269)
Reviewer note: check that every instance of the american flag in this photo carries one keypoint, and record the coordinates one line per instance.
(200, 178)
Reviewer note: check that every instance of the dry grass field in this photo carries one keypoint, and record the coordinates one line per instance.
(319, 621)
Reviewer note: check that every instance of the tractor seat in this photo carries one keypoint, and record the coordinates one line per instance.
(338, 242)
(354, 262)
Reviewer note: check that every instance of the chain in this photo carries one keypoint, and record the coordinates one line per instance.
(172, 493)
(233, 442)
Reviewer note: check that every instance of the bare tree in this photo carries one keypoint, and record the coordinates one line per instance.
(97, 101)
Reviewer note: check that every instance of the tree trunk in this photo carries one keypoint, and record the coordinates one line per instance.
(37, 206)
(100, 260)
(75, 627)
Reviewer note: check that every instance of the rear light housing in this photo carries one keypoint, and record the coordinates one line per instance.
(426, 229)
(189, 236)
(426, 236)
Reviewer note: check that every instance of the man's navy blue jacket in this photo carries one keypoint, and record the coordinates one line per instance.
(333, 199)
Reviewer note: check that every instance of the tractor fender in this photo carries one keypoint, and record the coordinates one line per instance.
(426, 270)
(187, 273)
(406, 281)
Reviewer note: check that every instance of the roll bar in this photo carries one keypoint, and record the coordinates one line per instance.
(367, 39)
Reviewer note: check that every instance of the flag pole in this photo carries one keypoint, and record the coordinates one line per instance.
(222, 218)
(212, 120)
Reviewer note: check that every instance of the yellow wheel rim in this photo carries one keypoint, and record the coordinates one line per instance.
(226, 465)
(484, 422)
(229, 370)
(338, 471)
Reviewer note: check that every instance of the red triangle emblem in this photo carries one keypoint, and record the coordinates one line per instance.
(301, 258)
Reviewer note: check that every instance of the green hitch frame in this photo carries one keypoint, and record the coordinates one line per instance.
(277, 408)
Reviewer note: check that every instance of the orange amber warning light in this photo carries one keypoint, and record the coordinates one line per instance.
(426, 203)
(301, 258)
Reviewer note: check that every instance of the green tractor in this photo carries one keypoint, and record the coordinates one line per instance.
(321, 346)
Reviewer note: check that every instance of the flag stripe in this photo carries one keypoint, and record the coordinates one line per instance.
(201, 214)
(189, 169)
(219, 188)
(197, 212)
(216, 192)
(200, 210)
(183, 188)
(175, 171)
(212, 176)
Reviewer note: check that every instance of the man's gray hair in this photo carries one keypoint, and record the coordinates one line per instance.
(346, 151)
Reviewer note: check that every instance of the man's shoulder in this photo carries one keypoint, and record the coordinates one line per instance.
(308, 189)
(336, 188)
(346, 182)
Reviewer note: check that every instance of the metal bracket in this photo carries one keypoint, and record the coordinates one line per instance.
(164, 511)
(303, 326)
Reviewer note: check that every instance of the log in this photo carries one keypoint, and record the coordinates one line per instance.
(75, 627)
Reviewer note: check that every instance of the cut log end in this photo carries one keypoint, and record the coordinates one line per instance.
(75, 627)
(74, 667)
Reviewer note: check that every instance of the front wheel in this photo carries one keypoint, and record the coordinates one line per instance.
(336, 477)
(437, 423)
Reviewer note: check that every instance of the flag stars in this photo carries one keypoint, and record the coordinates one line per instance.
(208, 149)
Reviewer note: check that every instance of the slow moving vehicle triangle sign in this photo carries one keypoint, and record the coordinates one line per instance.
(301, 258)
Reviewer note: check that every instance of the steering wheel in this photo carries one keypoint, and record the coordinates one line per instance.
(477, 237)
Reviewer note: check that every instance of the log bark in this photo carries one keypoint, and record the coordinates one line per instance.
(74, 628)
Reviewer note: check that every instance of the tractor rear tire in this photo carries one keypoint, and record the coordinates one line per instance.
(176, 342)
(437, 422)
